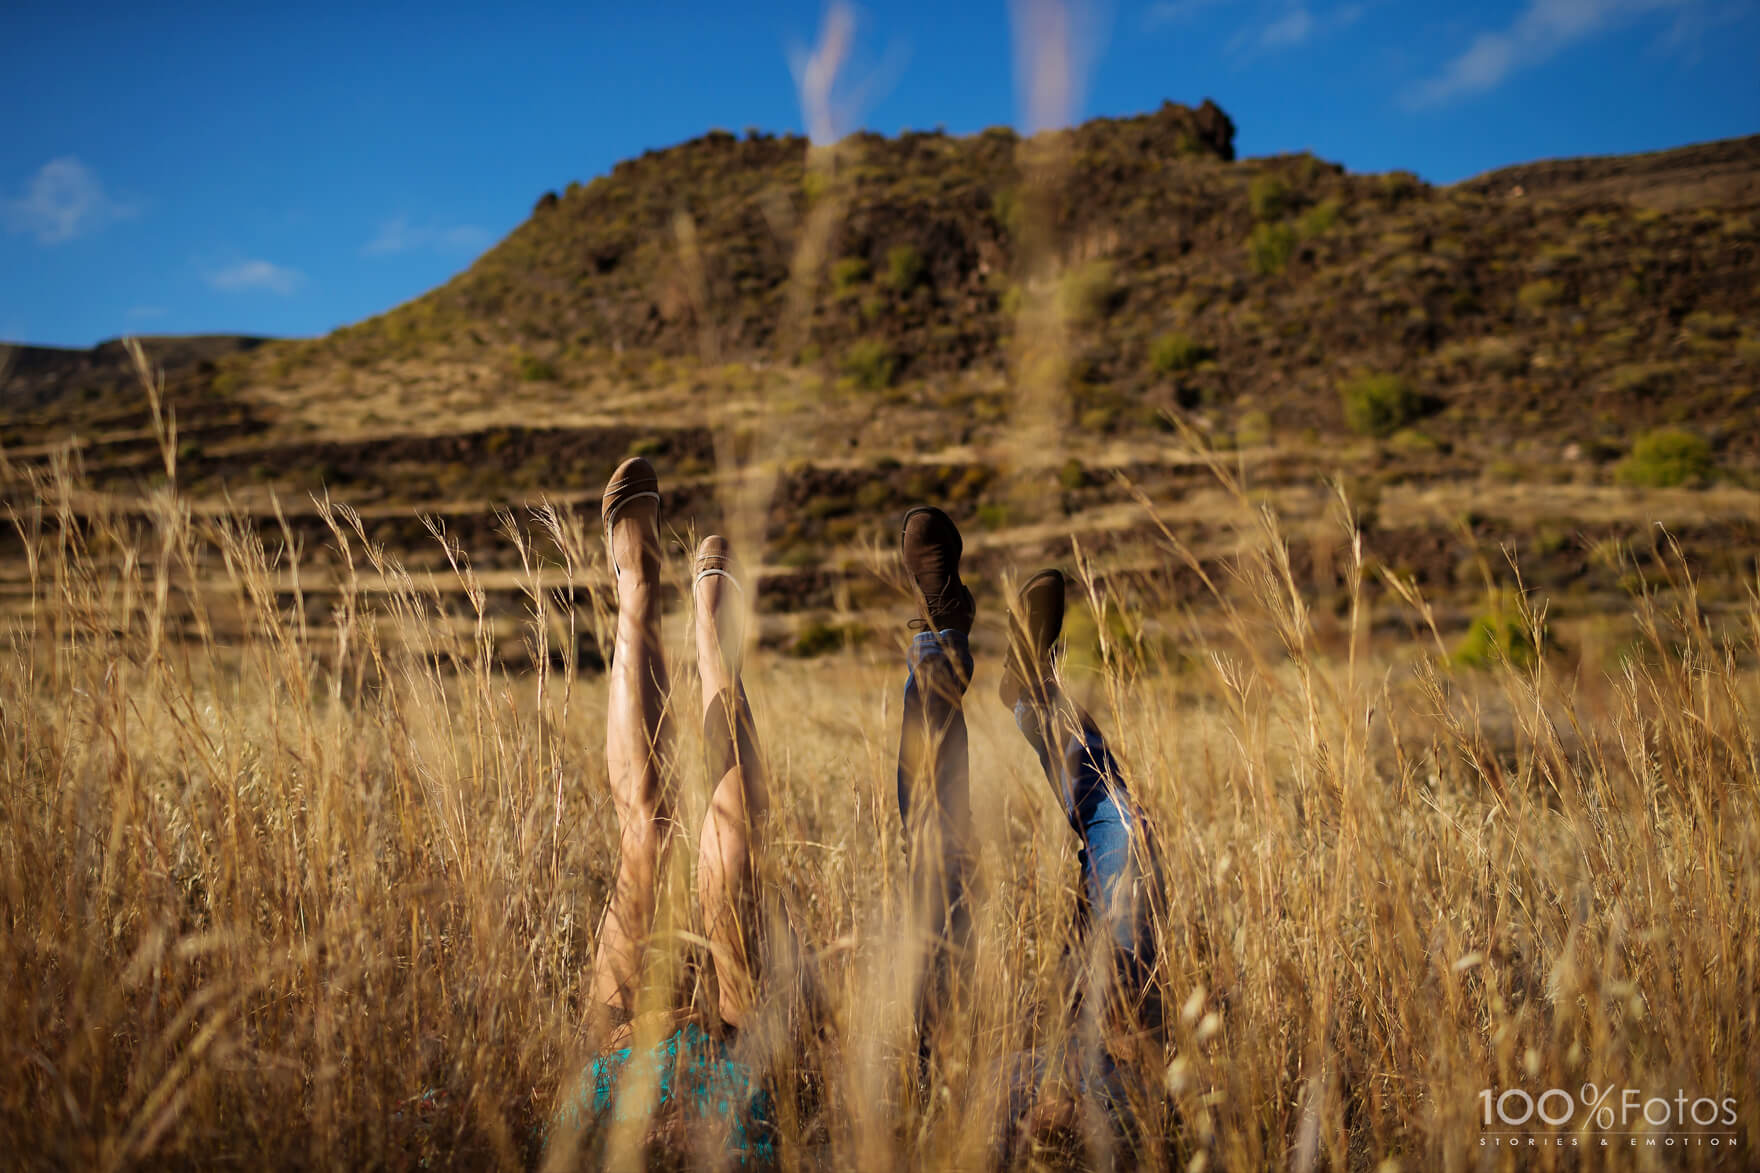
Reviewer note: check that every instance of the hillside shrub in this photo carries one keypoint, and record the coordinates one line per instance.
(1253, 430)
(873, 496)
(1499, 634)
(994, 515)
(1268, 196)
(533, 369)
(847, 273)
(1005, 205)
(1270, 247)
(1537, 295)
(1709, 325)
(1088, 292)
(871, 363)
(1378, 404)
(1319, 219)
(1642, 379)
(818, 637)
(1490, 354)
(1113, 640)
(1668, 457)
(904, 268)
(1176, 352)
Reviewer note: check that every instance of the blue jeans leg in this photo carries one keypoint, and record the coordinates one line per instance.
(934, 800)
(1090, 785)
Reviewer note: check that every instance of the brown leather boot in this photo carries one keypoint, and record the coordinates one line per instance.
(931, 546)
(1033, 627)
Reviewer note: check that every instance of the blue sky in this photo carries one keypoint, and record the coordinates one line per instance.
(244, 168)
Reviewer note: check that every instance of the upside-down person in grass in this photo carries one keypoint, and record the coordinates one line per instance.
(1117, 1009)
(688, 1082)
(684, 1083)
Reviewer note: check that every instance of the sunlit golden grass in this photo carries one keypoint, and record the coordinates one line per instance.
(287, 893)
(327, 895)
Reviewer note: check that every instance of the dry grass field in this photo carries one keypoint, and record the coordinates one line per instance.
(325, 895)
(1414, 535)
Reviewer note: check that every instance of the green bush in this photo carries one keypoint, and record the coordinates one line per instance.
(1537, 295)
(1005, 205)
(1319, 219)
(1708, 325)
(1378, 404)
(828, 505)
(1268, 196)
(1114, 640)
(847, 273)
(819, 637)
(1176, 352)
(534, 369)
(904, 268)
(1088, 291)
(1645, 379)
(871, 363)
(1412, 441)
(1097, 419)
(1270, 247)
(1499, 634)
(1253, 430)
(994, 515)
(873, 496)
(1668, 457)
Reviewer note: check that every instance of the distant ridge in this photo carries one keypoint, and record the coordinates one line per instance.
(1721, 173)
(42, 376)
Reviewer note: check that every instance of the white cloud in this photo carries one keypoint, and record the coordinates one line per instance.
(141, 313)
(253, 275)
(1543, 29)
(1292, 28)
(1295, 24)
(398, 235)
(64, 199)
(1696, 22)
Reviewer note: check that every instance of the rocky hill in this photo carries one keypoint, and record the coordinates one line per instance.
(1553, 355)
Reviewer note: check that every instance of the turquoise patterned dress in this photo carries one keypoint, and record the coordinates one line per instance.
(694, 1075)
